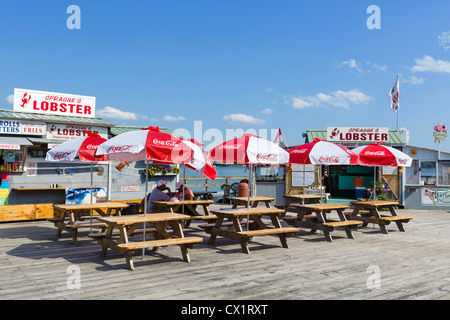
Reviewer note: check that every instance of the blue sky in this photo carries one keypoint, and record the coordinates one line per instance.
(259, 65)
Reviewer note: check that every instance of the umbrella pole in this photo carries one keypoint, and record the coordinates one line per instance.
(249, 185)
(184, 181)
(92, 182)
(374, 184)
(145, 201)
(250, 181)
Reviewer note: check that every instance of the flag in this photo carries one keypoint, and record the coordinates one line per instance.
(279, 140)
(395, 105)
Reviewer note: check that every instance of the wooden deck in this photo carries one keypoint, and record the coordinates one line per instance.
(412, 265)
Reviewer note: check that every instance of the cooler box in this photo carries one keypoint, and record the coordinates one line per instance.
(360, 192)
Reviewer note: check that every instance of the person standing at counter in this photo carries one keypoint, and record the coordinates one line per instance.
(158, 194)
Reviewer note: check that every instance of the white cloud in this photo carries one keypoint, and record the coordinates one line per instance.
(173, 119)
(352, 64)
(431, 65)
(113, 113)
(268, 90)
(378, 67)
(336, 98)
(414, 80)
(242, 118)
(444, 40)
(267, 111)
(10, 99)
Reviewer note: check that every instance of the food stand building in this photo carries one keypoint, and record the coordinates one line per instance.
(30, 185)
(424, 185)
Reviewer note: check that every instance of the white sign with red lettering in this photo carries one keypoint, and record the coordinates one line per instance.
(22, 127)
(10, 146)
(357, 134)
(72, 131)
(53, 103)
(129, 188)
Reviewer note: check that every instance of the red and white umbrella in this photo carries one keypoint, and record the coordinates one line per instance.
(146, 144)
(321, 152)
(85, 147)
(200, 161)
(377, 155)
(251, 150)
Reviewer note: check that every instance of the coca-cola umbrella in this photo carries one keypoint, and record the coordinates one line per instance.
(377, 155)
(250, 150)
(146, 144)
(199, 161)
(321, 152)
(85, 147)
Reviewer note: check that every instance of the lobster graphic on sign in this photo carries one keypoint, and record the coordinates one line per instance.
(334, 133)
(25, 100)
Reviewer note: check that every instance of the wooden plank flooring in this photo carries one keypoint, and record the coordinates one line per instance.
(412, 265)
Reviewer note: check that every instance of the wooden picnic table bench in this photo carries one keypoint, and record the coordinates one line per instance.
(69, 216)
(368, 212)
(302, 198)
(233, 229)
(188, 207)
(127, 225)
(254, 201)
(314, 216)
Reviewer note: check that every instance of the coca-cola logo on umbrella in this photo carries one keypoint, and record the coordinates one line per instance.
(231, 147)
(374, 153)
(329, 159)
(300, 151)
(118, 148)
(169, 143)
(61, 155)
(270, 157)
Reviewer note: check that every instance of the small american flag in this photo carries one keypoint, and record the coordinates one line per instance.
(394, 94)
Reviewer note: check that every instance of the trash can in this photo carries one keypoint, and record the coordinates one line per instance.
(132, 209)
(360, 192)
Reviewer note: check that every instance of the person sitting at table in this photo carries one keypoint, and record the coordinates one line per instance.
(158, 195)
(188, 194)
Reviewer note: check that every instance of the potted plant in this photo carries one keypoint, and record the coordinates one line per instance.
(161, 169)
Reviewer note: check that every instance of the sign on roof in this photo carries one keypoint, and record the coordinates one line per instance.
(53, 103)
(57, 131)
(358, 134)
(8, 126)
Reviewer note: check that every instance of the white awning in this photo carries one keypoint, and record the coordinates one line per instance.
(12, 143)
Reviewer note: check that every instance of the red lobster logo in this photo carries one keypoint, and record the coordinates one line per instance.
(334, 133)
(25, 100)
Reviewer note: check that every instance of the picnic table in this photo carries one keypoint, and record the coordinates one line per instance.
(128, 225)
(368, 212)
(254, 201)
(69, 217)
(314, 216)
(190, 208)
(302, 198)
(233, 229)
